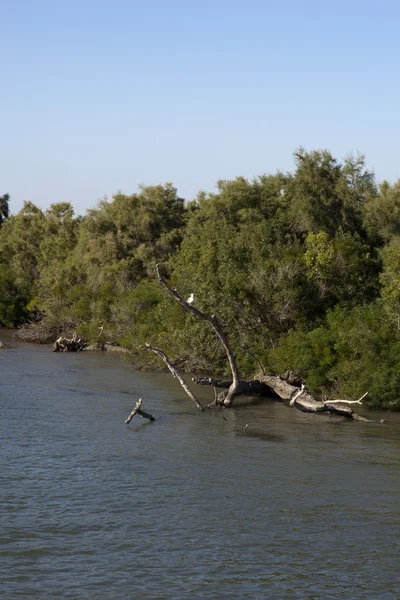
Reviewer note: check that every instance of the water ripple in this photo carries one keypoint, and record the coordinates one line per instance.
(189, 506)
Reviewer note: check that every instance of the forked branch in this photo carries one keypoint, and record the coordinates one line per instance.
(138, 411)
(346, 401)
(218, 330)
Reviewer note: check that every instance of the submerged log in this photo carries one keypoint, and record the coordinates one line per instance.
(75, 344)
(137, 410)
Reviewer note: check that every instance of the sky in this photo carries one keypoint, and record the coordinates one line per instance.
(98, 97)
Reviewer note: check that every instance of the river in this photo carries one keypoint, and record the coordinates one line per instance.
(301, 506)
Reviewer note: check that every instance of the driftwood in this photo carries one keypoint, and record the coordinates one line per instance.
(234, 385)
(298, 397)
(138, 411)
(75, 344)
(175, 373)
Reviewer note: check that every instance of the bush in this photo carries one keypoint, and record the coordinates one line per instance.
(356, 351)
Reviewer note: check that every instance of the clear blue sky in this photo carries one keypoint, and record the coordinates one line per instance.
(100, 96)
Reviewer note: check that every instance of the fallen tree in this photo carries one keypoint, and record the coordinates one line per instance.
(298, 397)
(266, 385)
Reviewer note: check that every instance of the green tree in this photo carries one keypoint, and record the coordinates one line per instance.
(20, 237)
(239, 258)
(382, 213)
(390, 279)
(4, 207)
(20, 240)
(327, 196)
(341, 268)
(355, 351)
(98, 260)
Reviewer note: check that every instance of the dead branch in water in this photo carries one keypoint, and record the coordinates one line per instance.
(138, 411)
(298, 397)
(175, 373)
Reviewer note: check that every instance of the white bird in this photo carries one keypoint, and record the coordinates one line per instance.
(190, 300)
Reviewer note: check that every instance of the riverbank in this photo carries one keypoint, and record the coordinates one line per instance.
(303, 400)
(37, 333)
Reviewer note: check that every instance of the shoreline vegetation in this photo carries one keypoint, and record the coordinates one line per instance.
(301, 269)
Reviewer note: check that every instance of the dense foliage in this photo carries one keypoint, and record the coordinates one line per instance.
(302, 269)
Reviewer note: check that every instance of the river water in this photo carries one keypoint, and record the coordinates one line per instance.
(301, 506)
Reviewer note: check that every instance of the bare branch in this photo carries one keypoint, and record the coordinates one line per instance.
(221, 415)
(346, 401)
(175, 373)
(218, 330)
(297, 394)
(138, 411)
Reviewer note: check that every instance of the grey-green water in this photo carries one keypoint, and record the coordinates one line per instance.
(304, 506)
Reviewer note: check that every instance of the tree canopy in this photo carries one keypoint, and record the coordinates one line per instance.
(302, 269)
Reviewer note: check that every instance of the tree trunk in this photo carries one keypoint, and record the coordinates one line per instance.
(234, 385)
(297, 397)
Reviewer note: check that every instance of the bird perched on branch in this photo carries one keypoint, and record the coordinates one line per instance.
(190, 300)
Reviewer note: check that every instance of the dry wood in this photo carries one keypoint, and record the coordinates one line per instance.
(305, 402)
(232, 392)
(297, 394)
(346, 401)
(75, 344)
(298, 397)
(137, 410)
(175, 373)
(215, 393)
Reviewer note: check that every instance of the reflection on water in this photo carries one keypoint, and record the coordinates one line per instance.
(191, 506)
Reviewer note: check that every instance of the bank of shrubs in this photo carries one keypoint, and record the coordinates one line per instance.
(302, 269)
